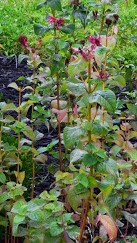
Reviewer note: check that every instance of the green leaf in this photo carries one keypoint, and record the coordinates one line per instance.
(76, 89)
(55, 229)
(135, 1)
(114, 200)
(2, 178)
(73, 231)
(74, 197)
(90, 159)
(117, 81)
(132, 108)
(9, 107)
(40, 29)
(18, 219)
(108, 167)
(14, 86)
(19, 207)
(83, 180)
(68, 29)
(71, 135)
(132, 218)
(54, 4)
(100, 54)
(21, 57)
(132, 154)
(4, 196)
(37, 216)
(76, 155)
(106, 186)
(35, 204)
(41, 5)
(3, 221)
(105, 98)
(77, 66)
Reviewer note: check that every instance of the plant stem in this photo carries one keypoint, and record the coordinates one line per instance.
(89, 105)
(86, 202)
(58, 97)
(103, 88)
(32, 146)
(59, 125)
(1, 146)
(19, 118)
(84, 218)
(102, 21)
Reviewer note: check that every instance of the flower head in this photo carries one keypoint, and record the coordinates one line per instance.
(94, 40)
(57, 22)
(51, 19)
(23, 40)
(103, 75)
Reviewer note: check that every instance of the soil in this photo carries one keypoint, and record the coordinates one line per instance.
(10, 71)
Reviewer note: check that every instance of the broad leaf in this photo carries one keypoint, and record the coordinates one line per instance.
(132, 154)
(105, 98)
(2, 178)
(40, 29)
(132, 108)
(54, 4)
(68, 29)
(71, 136)
(41, 5)
(117, 81)
(132, 218)
(77, 66)
(74, 197)
(14, 86)
(37, 216)
(55, 229)
(76, 89)
(76, 155)
(109, 225)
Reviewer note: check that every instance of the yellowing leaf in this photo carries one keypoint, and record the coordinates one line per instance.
(20, 176)
(109, 226)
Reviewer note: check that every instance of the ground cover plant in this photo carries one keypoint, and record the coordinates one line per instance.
(80, 88)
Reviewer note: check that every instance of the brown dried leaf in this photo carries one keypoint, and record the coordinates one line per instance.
(109, 225)
(60, 114)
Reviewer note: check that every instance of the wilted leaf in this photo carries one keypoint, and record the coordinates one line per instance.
(60, 114)
(109, 225)
(20, 176)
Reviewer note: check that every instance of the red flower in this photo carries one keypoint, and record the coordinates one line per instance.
(51, 19)
(57, 22)
(84, 52)
(103, 75)
(23, 40)
(94, 40)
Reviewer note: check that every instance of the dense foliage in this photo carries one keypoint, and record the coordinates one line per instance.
(80, 71)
